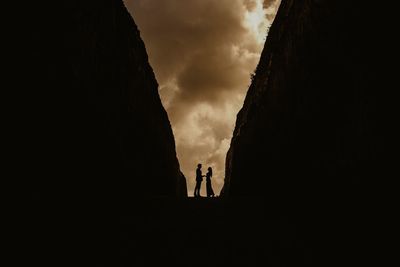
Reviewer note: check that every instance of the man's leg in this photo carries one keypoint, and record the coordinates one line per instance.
(199, 189)
(196, 189)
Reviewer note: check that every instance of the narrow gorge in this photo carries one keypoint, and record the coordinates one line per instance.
(304, 162)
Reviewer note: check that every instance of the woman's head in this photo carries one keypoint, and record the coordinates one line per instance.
(209, 169)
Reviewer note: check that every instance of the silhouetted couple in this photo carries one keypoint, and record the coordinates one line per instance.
(199, 179)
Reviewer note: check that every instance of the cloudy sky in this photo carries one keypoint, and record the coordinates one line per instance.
(202, 53)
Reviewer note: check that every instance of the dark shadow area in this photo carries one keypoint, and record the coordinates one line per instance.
(93, 136)
(313, 136)
(209, 232)
(304, 173)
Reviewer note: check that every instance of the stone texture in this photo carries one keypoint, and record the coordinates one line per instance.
(309, 120)
(312, 136)
(97, 120)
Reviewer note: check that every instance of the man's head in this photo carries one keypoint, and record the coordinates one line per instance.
(199, 166)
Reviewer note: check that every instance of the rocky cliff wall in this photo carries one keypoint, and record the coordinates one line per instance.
(98, 128)
(312, 139)
(310, 117)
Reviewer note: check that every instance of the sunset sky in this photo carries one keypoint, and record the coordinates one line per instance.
(202, 53)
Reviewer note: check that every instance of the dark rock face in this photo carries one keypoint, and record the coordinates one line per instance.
(101, 130)
(310, 136)
(310, 115)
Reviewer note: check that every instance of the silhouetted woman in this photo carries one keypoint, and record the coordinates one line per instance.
(210, 192)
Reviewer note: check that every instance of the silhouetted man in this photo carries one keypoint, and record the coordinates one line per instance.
(199, 179)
